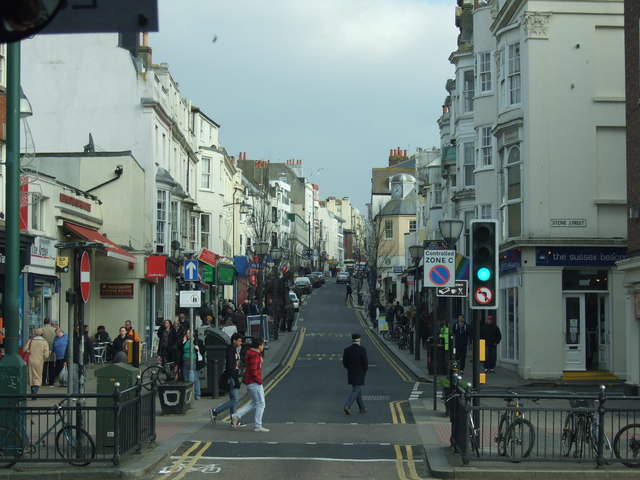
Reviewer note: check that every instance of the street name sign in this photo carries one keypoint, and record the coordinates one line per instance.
(439, 268)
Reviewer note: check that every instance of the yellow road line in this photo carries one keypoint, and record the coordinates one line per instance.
(184, 456)
(271, 384)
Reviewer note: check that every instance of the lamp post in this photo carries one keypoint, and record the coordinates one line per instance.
(450, 230)
(276, 256)
(261, 249)
(416, 252)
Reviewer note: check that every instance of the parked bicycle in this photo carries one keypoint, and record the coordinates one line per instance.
(516, 435)
(162, 372)
(72, 443)
(581, 430)
(626, 445)
(473, 433)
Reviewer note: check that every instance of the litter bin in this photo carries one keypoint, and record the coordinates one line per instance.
(175, 397)
(360, 298)
(106, 377)
(435, 348)
(215, 342)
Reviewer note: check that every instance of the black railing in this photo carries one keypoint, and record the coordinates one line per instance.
(78, 429)
(545, 426)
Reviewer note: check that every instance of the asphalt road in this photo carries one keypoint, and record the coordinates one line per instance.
(311, 437)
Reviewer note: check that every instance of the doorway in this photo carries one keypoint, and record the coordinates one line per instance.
(586, 331)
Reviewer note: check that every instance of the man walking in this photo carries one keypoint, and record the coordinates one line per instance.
(461, 339)
(492, 336)
(48, 374)
(231, 370)
(354, 359)
(349, 292)
(253, 381)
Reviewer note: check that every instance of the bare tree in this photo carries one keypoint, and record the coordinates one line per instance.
(378, 250)
(261, 218)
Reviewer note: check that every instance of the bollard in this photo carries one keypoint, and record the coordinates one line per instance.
(215, 390)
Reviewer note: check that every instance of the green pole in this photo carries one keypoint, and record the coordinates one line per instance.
(12, 369)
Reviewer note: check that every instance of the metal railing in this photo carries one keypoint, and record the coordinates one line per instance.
(544, 426)
(78, 429)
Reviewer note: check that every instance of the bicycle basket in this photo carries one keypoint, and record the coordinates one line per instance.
(582, 402)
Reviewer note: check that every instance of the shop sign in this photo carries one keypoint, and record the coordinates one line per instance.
(579, 256)
(43, 252)
(116, 290)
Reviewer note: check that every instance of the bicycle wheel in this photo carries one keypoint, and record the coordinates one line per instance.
(148, 374)
(505, 420)
(626, 445)
(474, 441)
(75, 445)
(519, 439)
(568, 435)
(386, 335)
(593, 440)
(11, 447)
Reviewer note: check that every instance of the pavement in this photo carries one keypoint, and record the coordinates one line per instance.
(433, 426)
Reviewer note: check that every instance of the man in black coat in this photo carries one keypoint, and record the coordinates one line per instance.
(492, 336)
(355, 361)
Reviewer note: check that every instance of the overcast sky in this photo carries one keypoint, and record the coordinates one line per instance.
(335, 83)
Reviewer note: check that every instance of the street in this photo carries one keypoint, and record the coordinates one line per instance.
(311, 437)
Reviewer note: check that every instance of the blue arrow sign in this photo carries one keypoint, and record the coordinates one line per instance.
(191, 270)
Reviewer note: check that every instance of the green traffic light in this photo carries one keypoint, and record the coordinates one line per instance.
(483, 274)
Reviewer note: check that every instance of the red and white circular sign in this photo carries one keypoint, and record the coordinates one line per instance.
(483, 295)
(85, 277)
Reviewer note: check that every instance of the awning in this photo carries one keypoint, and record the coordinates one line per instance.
(111, 248)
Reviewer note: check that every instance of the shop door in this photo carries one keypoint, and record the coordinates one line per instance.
(574, 332)
(597, 331)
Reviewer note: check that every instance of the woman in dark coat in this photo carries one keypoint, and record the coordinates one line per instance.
(167, 346)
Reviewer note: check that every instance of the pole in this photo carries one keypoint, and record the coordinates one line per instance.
(416, 299)
(435, 335)
(12, 368)
(276, 323)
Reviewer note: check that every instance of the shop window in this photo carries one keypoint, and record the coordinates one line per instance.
(585, 279)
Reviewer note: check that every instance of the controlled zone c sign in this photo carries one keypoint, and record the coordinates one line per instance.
(439, 268)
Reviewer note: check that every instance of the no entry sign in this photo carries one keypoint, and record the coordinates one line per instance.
(440, 268)
(85, 277)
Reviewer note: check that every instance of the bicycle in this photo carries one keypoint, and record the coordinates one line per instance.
(626, 444)
(516, 435)
(473, 433)
(582, 428)
(73, 443)
(168, 371)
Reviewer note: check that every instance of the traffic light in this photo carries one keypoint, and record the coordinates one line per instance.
(484, 264)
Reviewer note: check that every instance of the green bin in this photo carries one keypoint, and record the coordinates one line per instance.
(106, 377)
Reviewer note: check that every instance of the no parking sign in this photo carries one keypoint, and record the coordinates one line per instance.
(439, 268)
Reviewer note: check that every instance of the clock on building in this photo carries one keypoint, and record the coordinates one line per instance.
(396, 190)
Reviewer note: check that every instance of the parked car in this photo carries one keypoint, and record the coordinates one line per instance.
(294, 299)
(315, 280)
(321, 275)
(343, 277)
(304, 284)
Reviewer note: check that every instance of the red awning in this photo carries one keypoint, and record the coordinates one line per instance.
(111, 248)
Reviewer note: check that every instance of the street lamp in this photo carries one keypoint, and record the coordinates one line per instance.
(416, 252)
(276, 256)
(450, 230)
(261, 249)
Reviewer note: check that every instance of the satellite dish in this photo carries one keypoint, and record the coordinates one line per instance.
(21, 19)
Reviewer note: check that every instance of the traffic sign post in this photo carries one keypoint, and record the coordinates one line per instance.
(190, 272)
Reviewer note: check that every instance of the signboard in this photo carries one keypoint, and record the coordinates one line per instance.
(116, 290)
(43, 252)
(208, 257)
(439, 268)
(569, 222)
(460, 289)
(190, 298)
(483, 295)
(85, 277)
(579, 256)
(190, 270)
(258, 326)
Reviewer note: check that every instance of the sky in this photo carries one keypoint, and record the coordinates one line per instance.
(334, 83)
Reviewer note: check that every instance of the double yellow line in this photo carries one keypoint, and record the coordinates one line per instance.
(184, 457)
(404, 453)
(391, 359)
(272, 383)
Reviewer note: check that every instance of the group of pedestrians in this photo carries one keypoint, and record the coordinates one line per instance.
(463, 336)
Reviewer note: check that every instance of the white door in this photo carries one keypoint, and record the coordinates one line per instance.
(574, 332)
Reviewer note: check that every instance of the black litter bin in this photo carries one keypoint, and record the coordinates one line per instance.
(436, 349)
(106, 377)
(215, 342)
(360, 298)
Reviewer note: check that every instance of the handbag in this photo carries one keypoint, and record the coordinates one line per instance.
(25, 353)
(223, 382)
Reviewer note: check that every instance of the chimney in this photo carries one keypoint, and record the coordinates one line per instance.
(233, 160)
(404, 153)
(445, 109)
(144, 51)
